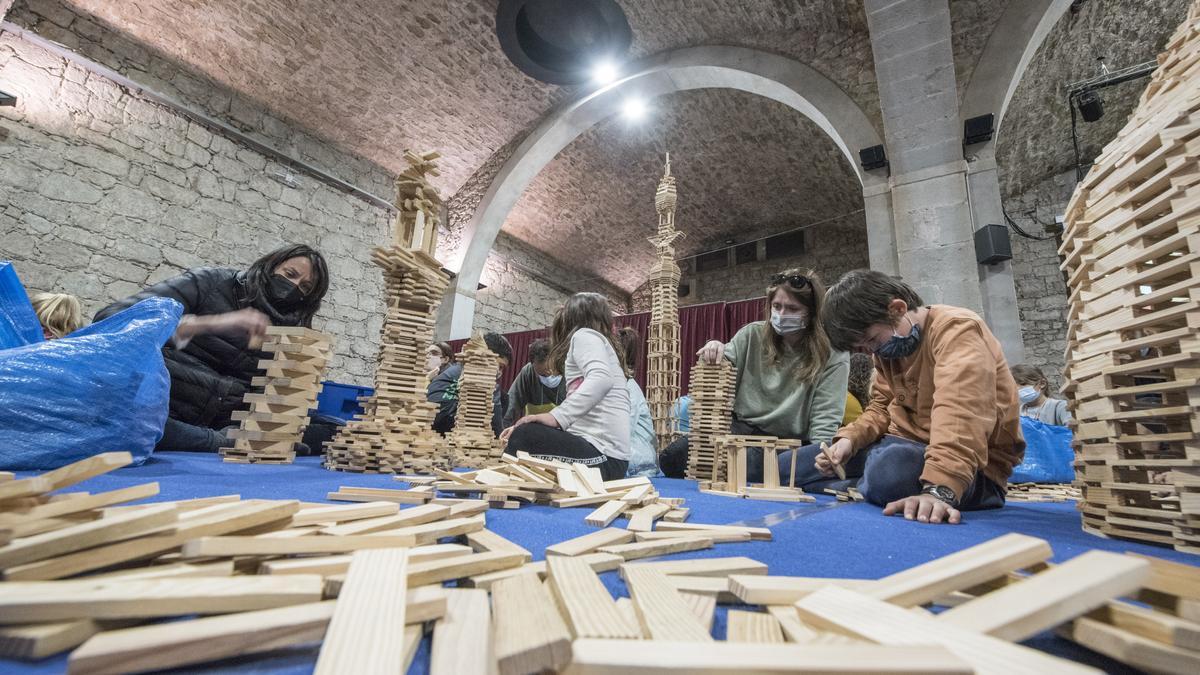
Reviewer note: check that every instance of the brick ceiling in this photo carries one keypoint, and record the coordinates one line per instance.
(373, 77)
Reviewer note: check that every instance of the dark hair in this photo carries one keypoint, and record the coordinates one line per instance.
(1026, 374)
(582, 310)
(446, 352)
(860, 299)
(257, 284)
(814, 344)
(539, 350)
(862, 372)
(629, 340)
(498, 345)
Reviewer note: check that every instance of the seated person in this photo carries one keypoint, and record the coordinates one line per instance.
(790, 382)
(862, 373)
(643, 454)
(681, 421)
(438, 358)
(941, 434)
(1034, 395)
(537, 388)
(443, 390)
(58, 313)
(214, 353)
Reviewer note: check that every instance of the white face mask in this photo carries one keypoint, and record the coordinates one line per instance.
(1028, 395)
(433, 361)
(789, 323)
(551, 381)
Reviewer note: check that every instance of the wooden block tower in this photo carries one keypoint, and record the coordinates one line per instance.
(278, 415)
(662, 358)
(1132, 256)
(393, 433)
(474, 443)
(712, 389)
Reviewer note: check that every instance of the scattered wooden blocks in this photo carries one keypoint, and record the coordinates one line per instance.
(530, 635)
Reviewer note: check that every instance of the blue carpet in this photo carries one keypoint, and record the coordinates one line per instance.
(827, 539)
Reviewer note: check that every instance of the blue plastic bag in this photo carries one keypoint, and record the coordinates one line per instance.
(1048, 454)
(103, 388)
(18, 323)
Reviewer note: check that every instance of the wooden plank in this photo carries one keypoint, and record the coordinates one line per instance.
(39, 640)
(68, 506)
(599, 562)
(1023, 609)
(181, 505)
(625, 607)
(648, 549)
(462, 640)
(34, 601)
(530, 635)
(704, 606)
(590, 542)
(396, 496)
(714, 586)
(757, 627)
(968, 567)
(77, 472)
(869, 618)
(339, 564)
(589, 609)
(704, 567)
(486, 540)
(230, 546)
(662, 613)
(416, 515)
(341, 514)
(429, 533)
(1171, 578)
(717, 537)
(606, 513)
(794, 630)
(1130, 648)
(643, 519)
(638, 493)
(773, 590)
(701, 529)
(613, 657)
(86, 535)
(369, 613)
(1150, 624)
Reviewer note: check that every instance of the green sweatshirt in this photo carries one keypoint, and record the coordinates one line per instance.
(769, 395)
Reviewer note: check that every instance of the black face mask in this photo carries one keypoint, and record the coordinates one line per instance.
(285, 296)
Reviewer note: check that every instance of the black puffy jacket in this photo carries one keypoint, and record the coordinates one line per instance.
(212, 373)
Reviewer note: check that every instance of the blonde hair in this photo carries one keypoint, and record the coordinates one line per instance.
(58, 313)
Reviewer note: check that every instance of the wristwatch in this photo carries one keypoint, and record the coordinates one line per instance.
(942, 492)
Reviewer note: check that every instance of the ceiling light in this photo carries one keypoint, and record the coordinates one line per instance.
(604, 72)
(633, 109)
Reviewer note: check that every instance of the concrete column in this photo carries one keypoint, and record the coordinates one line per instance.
(5, 5)
(881, 228)
(914, 66)
(455, 315)
(996, 283)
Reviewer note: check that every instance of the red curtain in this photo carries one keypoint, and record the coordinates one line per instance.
(698, 324)
(740, 313)
(641, 323)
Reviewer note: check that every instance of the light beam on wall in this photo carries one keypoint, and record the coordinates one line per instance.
(633, 109)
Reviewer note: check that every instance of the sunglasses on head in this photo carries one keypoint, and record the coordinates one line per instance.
(797, 281)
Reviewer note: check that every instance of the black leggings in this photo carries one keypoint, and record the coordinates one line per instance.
(549, 443)
(673, 460)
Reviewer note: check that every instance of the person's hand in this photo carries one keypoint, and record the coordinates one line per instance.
(839, 453)
(508, 432)
(248, 322)
(545, 419)
(712, 351)
(925, 509)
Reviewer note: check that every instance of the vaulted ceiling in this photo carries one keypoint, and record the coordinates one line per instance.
(372, 77)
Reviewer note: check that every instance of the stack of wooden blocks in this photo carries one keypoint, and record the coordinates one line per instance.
(712, 389)
(662, 357)
(1132, 256)
(278, 415)
(733, 451)
(474, 443)
(88, 573)
(394, 432)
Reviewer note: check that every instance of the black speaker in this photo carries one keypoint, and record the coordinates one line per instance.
(979, 129)
(561, 42)
(992, 245)
(872, 158)
(1091, 106)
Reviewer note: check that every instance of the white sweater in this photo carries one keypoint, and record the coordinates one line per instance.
(597, 405)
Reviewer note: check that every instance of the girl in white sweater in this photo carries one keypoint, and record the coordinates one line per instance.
(591, 425)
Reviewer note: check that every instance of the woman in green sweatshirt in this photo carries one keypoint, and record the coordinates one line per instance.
(790, 382)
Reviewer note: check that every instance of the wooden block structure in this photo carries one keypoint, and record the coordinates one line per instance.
(393, 433)
(474, 444)
(278, 413)
(1131, 253)
(733, 451)
(712, 389)
(662, 353)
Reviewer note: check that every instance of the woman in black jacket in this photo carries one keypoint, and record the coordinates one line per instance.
(214, 354)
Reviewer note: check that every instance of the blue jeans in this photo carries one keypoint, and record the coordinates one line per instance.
(883, 472)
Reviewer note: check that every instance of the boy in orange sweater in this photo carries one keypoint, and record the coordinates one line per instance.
(942, 431)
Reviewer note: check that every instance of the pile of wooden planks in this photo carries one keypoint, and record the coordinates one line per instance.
(474, 444)
(1131, 253)
(734, 450)
(393, 433)
(712, 389)
(662, 353)
(1034, 492)
(278, 413)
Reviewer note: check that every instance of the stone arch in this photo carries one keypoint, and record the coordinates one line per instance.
(777, 77)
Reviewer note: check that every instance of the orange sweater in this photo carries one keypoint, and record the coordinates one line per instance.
(955, 394)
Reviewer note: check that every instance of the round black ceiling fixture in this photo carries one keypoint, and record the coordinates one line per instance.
(561, 41)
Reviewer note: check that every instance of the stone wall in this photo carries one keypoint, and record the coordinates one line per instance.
(1041, 291)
